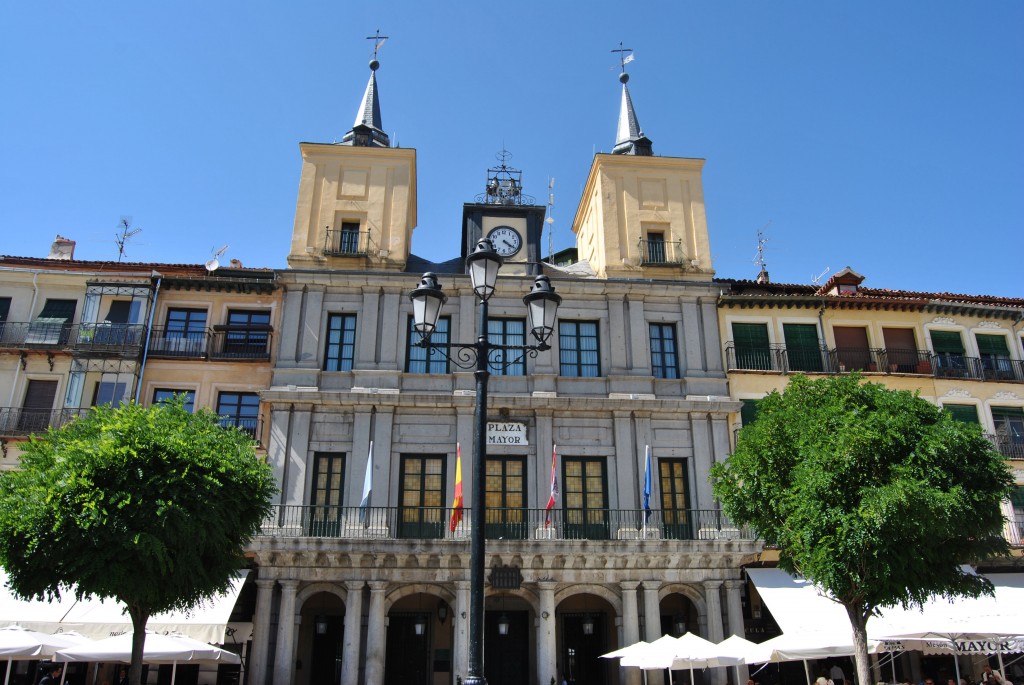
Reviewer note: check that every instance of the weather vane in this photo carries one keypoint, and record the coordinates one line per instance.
(379, 41)
(624, 59)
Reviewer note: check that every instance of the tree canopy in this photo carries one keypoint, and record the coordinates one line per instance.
(874, 495)
(150, 506)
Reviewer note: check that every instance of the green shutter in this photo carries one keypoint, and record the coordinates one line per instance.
(802, 346)
(1017, 497)
(1007, 412)
(992, 345)
(748, 413)
(946, 342)
(968, 413)
(750, 335)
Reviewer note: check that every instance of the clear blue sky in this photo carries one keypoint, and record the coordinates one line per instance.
(884, 136)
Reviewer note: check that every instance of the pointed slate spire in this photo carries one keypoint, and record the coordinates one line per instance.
(367, 131)
(629, 139)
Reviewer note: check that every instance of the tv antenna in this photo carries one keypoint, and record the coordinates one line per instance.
(126, 232)
(550, 221)
(761, 240)
(816, 279)
(214, 263)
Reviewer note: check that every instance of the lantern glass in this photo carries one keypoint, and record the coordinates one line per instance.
(483, 265)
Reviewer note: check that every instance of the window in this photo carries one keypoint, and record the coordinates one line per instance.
(664, 361)
(505, 495)
(241, 409)
(350, 237)
(578, 352)
(656, 248)
(995, 356)
(852, 350)
(803, 351)
(506, 332)
(1009, 425)
(423, 510)
(968, 413)
(5, 308)
(161, 395)
(901, 353)
(37, 407)
(586, 498)
(748, 412)
(948, 347)
(109, 392)
(327, 493)
(673, 482)
(51, 326)
(752, 350)
(341, 342)
(247, 334)
(422, 360)
(186, 323)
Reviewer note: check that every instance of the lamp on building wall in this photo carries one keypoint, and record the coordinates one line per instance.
(503, 624)
(588, 624)
(442, 611)
(542, 307)
(679, 623)
(321, 619)
(419, 625)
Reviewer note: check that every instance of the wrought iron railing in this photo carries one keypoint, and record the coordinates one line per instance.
(251, 425)
(1010, 446)
(175, 343)
(436, 523)
(1015, 528)
(784, 359)
(20, 421)
(116, 338)
(240, 343)
(343, 243)
(661, 252)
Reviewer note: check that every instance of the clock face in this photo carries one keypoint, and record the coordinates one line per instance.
(506, 240)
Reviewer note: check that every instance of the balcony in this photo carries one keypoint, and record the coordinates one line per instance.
(50, 334)
(434, 523)
(1010, 446)
(780, 359)
(251, 425)
(224, 343)
(345, 243)
(18, 421)
(661, 252)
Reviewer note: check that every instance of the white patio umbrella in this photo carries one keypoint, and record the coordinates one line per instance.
(1004, 636)
(737, 647)
(628, 650)
(21, 644)
(158, 649)
(687, 652)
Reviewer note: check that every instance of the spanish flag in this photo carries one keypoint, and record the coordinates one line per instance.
(457, 504)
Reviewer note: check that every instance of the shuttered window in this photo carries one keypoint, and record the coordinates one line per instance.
(946, 342)
(994, 345)
(802, 347)
(968, 413)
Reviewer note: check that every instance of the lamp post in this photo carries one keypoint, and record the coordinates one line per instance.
(542, 305)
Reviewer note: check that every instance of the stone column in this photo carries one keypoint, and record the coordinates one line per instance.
(652, 624)
(261, 631)
(376, 635)
(284, 657)
(460, 623)
(734, 610)
(353, 616)
(547, 641)
(630, 627)
(713, 599)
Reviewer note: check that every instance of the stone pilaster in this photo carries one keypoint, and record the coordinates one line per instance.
(713, 600)
(547, 650)
(460, 622)
(734, 611)
(630, 627)
(284, 657)
(261, 631)
(652, 623)
(376, 635)
(350, 649)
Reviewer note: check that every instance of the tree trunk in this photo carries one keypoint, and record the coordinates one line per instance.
(140, 617)
(859, 621)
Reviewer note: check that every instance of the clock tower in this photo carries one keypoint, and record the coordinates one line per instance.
(509, 219)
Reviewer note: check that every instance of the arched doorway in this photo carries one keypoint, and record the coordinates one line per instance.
(587, 629)
(419, 641)
(323, 616)
(508, 634)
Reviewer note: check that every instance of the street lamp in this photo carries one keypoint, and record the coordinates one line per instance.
(542, 306)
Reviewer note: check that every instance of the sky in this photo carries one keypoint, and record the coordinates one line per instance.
(884, 136)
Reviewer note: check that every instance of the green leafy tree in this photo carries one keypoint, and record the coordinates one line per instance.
(149, 506)
(874, 495)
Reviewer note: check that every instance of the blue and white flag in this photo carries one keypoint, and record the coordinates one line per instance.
(647, 485)
(364, 504)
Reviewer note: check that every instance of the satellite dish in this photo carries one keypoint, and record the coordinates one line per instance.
(213, 264)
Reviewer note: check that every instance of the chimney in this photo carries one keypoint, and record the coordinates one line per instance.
(236, 264)
(62, 248)
(762, 278)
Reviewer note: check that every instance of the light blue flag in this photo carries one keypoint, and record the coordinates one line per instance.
(364, 504)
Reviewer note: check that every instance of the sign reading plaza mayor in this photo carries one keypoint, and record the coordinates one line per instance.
(502, 433)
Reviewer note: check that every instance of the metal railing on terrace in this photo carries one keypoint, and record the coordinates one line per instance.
(343, 243)
(17, 421)
(435, 523)
(783, 359)
(1015, 530)
(115, 338)
(1010, 446)
(243, 343)
(661, 252)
